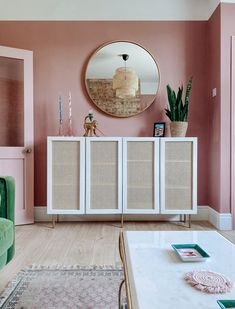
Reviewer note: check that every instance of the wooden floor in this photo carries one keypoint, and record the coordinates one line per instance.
(78, 243)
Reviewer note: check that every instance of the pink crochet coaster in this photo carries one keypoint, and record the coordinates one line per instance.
(209, 281)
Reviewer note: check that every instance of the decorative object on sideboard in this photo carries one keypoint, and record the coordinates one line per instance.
(61, 131)
(178, 111)
(90, 125)
(159, 129)
(125, 81)
(70, 130)
(104, 73)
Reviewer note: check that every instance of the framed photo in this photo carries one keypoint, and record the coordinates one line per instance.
(159, 129)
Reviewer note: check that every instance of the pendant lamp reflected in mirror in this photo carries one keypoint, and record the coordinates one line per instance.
(125, 80)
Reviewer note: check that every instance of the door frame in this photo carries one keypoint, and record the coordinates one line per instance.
(232, 174)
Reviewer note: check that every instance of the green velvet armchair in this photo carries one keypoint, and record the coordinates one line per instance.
(7, 218)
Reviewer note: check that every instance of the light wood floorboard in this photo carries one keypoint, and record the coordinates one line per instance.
(79, 243)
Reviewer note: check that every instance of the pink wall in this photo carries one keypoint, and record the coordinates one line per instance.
(61, 51)
(213, 104)
(221, 27)
(227, 30)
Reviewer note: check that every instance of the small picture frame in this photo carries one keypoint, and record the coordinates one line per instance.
(159, 129)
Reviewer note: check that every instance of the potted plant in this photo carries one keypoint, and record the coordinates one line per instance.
(178, 111)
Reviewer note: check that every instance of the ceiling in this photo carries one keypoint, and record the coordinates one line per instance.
(108, 9)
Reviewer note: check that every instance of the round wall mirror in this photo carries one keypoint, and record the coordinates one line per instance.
(122, 78)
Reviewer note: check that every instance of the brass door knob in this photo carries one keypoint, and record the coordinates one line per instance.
(27, 150)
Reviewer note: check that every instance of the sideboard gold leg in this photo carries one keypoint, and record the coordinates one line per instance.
(122, 220)
(53, 220)
(189, 221)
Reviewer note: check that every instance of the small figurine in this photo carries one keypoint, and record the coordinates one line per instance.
(90, 125)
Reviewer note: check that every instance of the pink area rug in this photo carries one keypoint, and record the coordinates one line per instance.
(60, 287)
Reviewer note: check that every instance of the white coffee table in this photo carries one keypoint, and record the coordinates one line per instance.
(155, 275)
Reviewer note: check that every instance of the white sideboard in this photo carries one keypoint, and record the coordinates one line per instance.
(121, 175)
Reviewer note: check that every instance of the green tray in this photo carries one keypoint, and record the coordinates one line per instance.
(226, 303)
(190, 252)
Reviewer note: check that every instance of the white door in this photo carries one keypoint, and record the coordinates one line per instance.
(16, 127)
(233, 131)
(103, 175)
(178, 180)
(66, 175)
(141, 175)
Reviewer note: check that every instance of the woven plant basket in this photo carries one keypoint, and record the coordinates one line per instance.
(178, 128)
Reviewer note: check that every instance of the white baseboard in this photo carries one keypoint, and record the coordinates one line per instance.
(222, 221)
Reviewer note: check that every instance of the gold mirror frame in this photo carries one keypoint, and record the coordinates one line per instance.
(99, 84)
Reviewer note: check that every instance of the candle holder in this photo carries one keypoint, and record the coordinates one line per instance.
(61, 130)
(70, 130)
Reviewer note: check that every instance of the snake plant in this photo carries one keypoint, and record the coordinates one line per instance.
(178, 111)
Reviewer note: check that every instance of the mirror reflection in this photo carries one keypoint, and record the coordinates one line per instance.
(122, 79)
